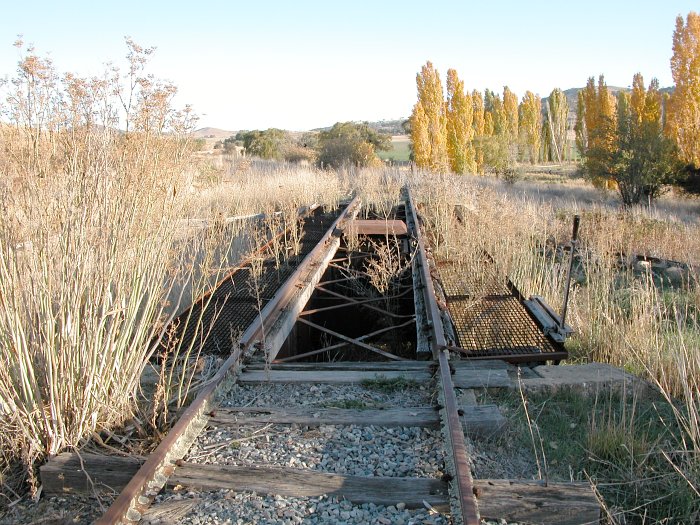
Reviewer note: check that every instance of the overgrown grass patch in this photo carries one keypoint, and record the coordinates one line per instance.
(389, 385)
(626, 446)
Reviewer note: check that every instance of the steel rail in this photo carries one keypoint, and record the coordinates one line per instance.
(152, 475)
(463, 482)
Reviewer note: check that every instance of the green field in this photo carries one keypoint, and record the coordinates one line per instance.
(399, 149)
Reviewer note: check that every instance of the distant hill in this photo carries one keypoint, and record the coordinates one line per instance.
(389, 127)
(213, 133)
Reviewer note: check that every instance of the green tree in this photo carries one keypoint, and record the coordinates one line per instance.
(629, 147)
(349, 143)
(596, 135)
(499, 146)
(229, 144)
(269, 144)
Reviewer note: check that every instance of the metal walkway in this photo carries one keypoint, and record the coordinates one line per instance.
(490, 318)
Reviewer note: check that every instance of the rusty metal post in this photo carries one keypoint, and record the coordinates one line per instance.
(574, 241)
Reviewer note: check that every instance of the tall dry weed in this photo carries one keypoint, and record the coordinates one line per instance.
(94, 181)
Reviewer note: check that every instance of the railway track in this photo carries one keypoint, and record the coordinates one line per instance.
(338, 404)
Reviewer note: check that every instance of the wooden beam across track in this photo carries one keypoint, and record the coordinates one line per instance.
(477, 420)
(153, 474)
(514, 501)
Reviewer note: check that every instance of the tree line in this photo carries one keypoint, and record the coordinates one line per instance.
(473, 132)
(636, 142)
(345, 143)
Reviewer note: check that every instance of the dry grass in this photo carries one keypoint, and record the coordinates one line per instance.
(642, 317)
(99, 250)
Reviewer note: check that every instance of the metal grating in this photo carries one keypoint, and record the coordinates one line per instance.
(234, 304)
(488, 316)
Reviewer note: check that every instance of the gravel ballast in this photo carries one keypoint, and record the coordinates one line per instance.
(352, 450)
(230, 508)
(323, 396)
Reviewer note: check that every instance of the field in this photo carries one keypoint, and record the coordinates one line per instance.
(399, 151)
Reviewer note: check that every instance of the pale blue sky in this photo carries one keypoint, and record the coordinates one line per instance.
(305, 64)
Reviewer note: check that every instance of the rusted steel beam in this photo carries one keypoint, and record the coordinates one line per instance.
(341, 345)
(150, 478)
(463, 483)
(472, 355)
(361, 303)
(334, 281)
(343, 305)
(351, 340)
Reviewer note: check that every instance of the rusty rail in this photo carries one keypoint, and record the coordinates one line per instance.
(150, 478)
(463, 483)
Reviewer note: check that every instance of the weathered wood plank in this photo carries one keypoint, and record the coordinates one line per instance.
(308, 483)
(481, 364)
(514, 501)
(169, 512)
(378, 366)
(385, 365)
(334, 377)
(591, 377)
(391, 417)
(478, 420)
(532, 502)
(481, 378)
(64, 473)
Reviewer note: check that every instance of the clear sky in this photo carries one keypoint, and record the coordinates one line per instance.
(306, 63)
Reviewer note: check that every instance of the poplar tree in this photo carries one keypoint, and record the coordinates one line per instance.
(684, 104)
(430, 150)
(556, 123)
(420, 140)
(460, 115)
(530, 124)
(495, 109)
(596, 134)
(479, 125)
(500, 147)
(580, 127)
(510, 108)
